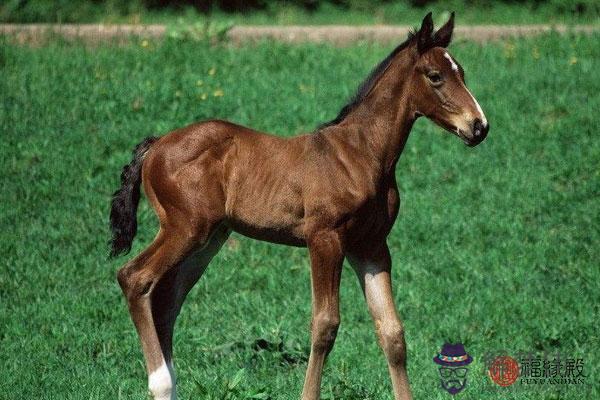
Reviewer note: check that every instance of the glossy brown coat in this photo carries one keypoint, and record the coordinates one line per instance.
(333, 191)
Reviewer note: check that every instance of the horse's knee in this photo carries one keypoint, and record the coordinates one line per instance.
(391, 337)
(324, 331)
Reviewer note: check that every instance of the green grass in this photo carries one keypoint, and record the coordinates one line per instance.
(496, 247)
(362, 13)
(392, 13)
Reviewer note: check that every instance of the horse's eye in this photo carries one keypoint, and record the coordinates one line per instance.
(434, 77)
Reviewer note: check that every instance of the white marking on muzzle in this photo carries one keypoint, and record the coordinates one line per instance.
(161, 383)
(452, 63)
(479, 110)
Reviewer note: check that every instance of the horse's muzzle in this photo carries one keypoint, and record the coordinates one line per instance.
(480, 132)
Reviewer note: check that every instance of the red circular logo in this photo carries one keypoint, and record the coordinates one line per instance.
(504, 371)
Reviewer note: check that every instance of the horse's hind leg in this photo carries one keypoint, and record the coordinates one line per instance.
(155, 284)
(171, 290)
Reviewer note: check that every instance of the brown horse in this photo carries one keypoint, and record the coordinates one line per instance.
(333, 191)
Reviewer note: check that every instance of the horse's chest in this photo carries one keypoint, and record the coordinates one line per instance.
(376, 216)
(360, 212)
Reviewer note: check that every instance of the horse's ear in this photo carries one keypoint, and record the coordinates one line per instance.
(443, 36)
(424, 34)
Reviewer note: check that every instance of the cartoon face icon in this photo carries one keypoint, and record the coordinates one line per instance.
(453, 379)
(453, 361)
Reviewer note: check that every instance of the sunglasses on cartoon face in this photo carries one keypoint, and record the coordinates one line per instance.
(446, 372)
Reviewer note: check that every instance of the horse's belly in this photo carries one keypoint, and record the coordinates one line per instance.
(273, 223)
(268, 234)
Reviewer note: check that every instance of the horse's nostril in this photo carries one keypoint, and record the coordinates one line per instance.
(480, 130)
(478, 127)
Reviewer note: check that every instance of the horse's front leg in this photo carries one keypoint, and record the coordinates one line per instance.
(326, 259)
(373, 271)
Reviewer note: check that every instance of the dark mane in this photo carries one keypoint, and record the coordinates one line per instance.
(366, 86)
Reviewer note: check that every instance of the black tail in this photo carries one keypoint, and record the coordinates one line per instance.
(123, 211)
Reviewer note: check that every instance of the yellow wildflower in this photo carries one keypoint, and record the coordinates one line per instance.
(203, 96)
(509, 50)
(145, 43)
(212, 71)
(305, 88)
(573, 60)
(199, 82)
(218, 93)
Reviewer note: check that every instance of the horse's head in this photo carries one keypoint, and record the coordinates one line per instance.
(439, 90)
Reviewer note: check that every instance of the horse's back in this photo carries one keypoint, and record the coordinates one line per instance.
(219, 170)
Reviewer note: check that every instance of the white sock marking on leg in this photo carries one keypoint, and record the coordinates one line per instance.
(161, 383)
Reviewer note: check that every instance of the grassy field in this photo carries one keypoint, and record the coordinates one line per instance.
(392, 13)
(362, 13)
(496, 247)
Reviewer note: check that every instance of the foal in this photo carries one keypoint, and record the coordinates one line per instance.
(333, 191)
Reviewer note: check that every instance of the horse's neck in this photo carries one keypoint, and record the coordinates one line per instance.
(383, 122)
